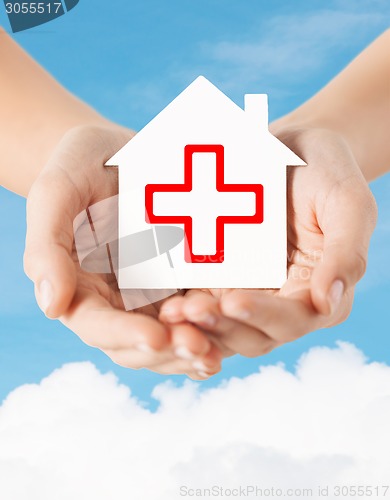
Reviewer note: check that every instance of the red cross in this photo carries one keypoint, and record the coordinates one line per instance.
(257, 218)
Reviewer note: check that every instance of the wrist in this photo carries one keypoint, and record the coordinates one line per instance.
(93, 123)
(40, 145)
(298, 122)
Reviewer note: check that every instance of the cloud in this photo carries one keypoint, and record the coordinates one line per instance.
(80, 434)
(281, 54)
(286, 49)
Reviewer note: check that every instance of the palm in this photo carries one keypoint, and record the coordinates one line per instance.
(304, 236)
(101, 184)
(91, 303)
(305, 207)
(73, 184)
(103, 287)
(324, 201)
(100, 288)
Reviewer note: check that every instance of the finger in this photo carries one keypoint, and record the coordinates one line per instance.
(347, 224)
(136, 359)
(158, 305)
(239, 337)
(193, 345)
(99, 325)
(199, 368)
(163, 362)
(172, 310)
(166, 362)
(189, 342)
(47, 259)
(281, 319)
(210, 363)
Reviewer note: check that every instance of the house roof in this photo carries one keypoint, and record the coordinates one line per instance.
(202, 91)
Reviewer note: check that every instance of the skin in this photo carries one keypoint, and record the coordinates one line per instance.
(90, 304)
(342, 134)
(355, 105)
(60, 169)
(331, 218)
(331, 214)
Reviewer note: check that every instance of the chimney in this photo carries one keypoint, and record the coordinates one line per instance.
(256, 107)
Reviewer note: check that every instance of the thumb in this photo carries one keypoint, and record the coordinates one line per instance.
(347, 224)
(51, 207)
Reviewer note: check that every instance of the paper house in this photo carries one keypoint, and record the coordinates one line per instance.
(212, 170)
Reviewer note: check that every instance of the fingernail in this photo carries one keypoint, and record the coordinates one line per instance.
(208, 320)
(335, 295)
(199, 366)
(45, 295)
(204, 374)
(170, 314)
(184, 353)
(143, 347)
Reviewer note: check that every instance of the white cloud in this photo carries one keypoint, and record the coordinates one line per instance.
(81, 435)
(277, 54)
(287, 49)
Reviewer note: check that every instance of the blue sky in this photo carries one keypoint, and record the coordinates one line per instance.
(129, 59)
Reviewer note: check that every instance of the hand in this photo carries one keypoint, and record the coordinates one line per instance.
(91, 304)
(331, 216)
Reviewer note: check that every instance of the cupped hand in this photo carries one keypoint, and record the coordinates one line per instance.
(90, 304)
(331, 217)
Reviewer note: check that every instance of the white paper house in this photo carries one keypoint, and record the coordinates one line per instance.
(200, 129)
